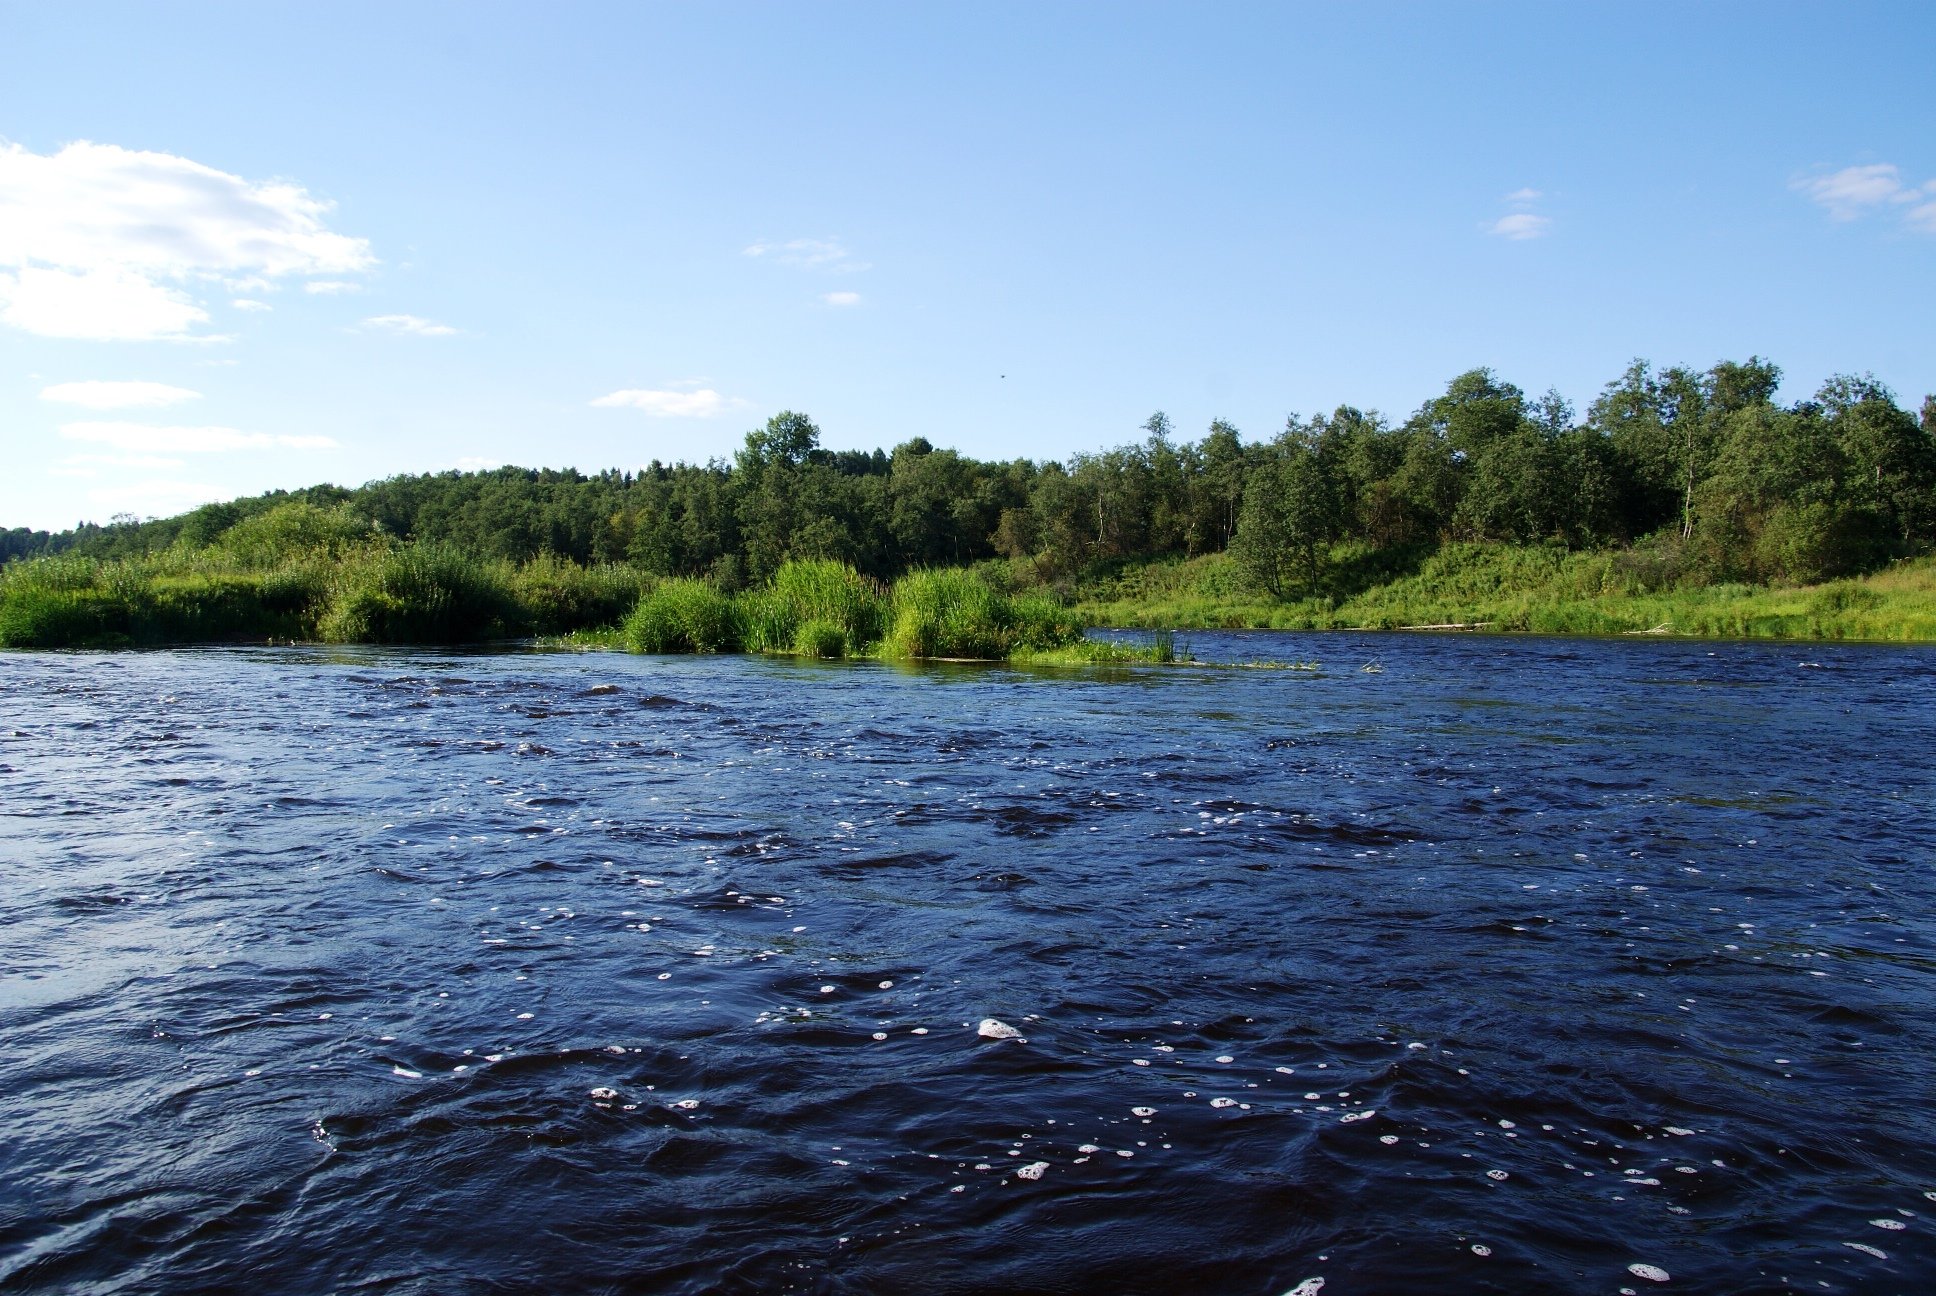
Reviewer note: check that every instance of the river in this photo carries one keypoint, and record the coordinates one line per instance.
(1454, 964)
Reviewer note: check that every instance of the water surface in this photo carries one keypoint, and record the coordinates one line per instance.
(1509, 965)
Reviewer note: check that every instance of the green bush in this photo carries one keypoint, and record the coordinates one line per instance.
(683, 616)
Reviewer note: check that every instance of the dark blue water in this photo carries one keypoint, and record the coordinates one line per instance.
(1507, 967)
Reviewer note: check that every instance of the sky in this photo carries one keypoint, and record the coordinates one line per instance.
(256, 246)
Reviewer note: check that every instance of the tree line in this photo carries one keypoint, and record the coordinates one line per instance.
(1702, 474)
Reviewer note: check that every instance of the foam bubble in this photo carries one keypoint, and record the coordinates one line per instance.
(1033, 1170)
(1652, 1273)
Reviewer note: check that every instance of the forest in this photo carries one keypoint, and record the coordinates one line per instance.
(1704, 470)
(1680, 479)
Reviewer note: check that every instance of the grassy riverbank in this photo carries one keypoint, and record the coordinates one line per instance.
(379, 592)
(1513, 588)
(306, 576)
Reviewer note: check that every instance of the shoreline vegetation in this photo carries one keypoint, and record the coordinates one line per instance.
(1684, 503)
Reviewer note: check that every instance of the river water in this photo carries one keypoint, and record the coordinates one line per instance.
(1510, 965)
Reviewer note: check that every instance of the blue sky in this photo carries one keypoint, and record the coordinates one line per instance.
(336, 242)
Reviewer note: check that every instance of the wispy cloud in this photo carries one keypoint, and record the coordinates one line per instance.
(102, 242)
(841, 298)
(117, 395)
(1521, 226)
(146, 438)
(809, 254)
(332, 287)
(1856, 191)
(1523, 196)
(703, 403)
(412, 324)
(250, 304)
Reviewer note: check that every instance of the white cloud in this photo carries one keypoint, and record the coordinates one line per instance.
(1852, 190)
(841, 298)
(704, 403)
(117, 395)
(1522, 196)
(332, 287)
(809, 254)
(408, 324)
(144, 438)
(1521, 225)
(102, 242)
(108, 304)
(1856, 191)
(250, 304)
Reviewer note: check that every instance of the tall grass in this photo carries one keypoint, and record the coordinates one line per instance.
(817, 608)
(954, 613)
(417, 594)
(684, 616)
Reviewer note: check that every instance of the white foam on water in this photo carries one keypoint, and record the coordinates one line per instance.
(1142, 1111)
(1868, 1250)
(826, 989)
(1888, 1224)
(1388, 1139)
(1499, 1175)
(1226, 1058)
(1652, 1273)
(604, 1094)
(687, 1104)
(1223, 1102)
(407, 1075)
(1033, 1170)
(880, 1035)
(887, 985)
(996, 1029)
(1284, 1070)
(1309, 1287)
(1124, 1152)
(1481, 1249)
(1088, 1149)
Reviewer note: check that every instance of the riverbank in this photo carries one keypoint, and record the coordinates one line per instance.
(387, 592)
(1498, 588)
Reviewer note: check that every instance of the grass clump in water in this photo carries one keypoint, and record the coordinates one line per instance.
(956, 614)
(417, 594)
(683, 616)
(829, 598)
